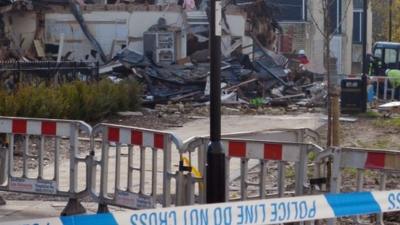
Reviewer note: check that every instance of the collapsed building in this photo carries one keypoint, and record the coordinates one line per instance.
(99, 31)
(164, 45)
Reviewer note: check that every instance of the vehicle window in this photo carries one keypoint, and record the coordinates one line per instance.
(390, 56)
(378, 53)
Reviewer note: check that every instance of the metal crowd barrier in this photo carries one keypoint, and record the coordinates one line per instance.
(132, 167)
(146, 154)
(382, 89)
(287, 147)
(32, 143)
(283, 153)
(381, 162)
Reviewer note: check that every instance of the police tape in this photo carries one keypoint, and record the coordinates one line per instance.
(269, 211)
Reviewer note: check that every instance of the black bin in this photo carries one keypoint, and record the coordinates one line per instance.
(353, 97)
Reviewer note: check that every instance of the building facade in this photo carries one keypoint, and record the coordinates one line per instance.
(303, 24)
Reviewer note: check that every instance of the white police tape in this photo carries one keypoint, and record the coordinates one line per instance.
(270, 211)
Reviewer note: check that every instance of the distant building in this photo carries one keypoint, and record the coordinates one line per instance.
(300, 32)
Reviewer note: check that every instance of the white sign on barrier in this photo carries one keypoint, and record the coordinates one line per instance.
(134, 200)
(33, 186)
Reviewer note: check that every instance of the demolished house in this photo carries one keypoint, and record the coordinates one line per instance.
(162, 45)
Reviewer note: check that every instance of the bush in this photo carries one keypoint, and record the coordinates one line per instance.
(76, 100)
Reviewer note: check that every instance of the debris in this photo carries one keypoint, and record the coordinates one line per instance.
(234, 87)
(39, 48)
(390, 108)
(344, 119)
(76, 11)
(183, 61)
(177, 76)
(390, 105)
(129, 113)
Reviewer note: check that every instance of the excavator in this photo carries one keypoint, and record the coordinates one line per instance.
(385, 55)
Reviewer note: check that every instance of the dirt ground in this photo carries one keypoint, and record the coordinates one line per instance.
(367, 132)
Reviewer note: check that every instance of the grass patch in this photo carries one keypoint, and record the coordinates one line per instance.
(370, 115)
(76, 100)
(387, 123)
(312, 156)
(381, 143)
(290, 172)
(350, 172)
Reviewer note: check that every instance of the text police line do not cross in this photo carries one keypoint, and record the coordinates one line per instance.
(243, 214)
(240, 213)
(270, 211)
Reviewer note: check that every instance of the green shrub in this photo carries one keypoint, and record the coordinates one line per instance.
(76, 100)
(257, 102)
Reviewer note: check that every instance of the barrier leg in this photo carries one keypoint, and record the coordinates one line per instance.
(227, 178)
(281, 179)
(382, 187)
(360, 187)
(301, 172)
(73, 207)
(180, 187)
(3, 166)
(184, 189)
(103, 208)
(243, 178)
(335, 179)
(263, 172)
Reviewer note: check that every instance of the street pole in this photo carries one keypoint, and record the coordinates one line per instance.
(364, 54)
(390, 20)
(215, 182)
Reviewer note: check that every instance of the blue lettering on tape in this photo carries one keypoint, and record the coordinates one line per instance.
(223, 216)
(394, 201)
(154, 218)
(348, 204)
(98, 219)
(292, 210)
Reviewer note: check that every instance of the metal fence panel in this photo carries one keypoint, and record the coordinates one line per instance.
(26, 155)
(135, 166)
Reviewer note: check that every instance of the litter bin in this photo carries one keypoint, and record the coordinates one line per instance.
(353, 97)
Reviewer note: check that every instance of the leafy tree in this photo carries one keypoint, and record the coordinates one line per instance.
(380, 27)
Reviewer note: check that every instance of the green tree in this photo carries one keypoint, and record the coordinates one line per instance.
(380, 27)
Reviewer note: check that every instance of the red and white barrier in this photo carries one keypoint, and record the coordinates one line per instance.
(265, 151)
(132, 136)
(370, 159)
(35, 127)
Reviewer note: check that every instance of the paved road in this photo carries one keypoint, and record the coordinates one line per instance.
(230, 124)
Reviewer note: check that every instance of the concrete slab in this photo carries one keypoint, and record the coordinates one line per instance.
(248, 123)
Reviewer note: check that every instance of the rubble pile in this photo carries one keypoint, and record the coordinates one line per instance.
(259, 82)
(255, 78)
